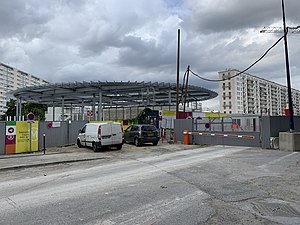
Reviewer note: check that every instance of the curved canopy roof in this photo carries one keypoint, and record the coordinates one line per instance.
(110, 93)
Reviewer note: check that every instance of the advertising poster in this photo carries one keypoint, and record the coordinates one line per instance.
(10, 137)
(167, 118)
(23, 137)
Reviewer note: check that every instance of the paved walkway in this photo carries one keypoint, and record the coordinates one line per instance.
(39, 159)
(75, 154)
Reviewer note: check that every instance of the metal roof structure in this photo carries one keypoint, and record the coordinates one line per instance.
(120, 94)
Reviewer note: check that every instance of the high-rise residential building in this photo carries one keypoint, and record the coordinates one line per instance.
(248, 94)
(11, 79)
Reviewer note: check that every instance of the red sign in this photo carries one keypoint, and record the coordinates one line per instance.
(90, 113)
(49, 125)
(184, 115)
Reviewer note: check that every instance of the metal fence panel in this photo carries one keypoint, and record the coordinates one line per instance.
(2, 138)
(180, 126)
(265, 132)
(73, 130)
(282, 124)
(272, 125)
(60, 134)
(55, 136)
(231, 123)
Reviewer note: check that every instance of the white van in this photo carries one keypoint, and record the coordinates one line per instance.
(98, 135)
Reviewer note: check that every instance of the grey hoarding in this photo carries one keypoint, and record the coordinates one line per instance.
(2, 138)
(59, 133)
(180, 125)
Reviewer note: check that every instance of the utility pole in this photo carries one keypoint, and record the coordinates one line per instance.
(287, 66)
(177, 81)
(285, 31)
(186, 87)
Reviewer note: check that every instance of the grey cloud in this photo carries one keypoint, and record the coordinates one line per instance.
(137, 39)
(230, 15)
(22, 18)
(148, 54)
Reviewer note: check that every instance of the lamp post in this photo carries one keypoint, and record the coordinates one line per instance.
(287, 66)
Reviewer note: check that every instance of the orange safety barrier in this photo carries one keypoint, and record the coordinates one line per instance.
(186, 138)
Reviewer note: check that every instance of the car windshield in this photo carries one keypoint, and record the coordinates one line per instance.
(148, 128)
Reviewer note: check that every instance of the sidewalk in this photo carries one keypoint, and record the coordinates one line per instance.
(8, 162)
(69, 154)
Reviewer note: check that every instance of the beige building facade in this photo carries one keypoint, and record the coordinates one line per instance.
(248, 94)
(11, 79)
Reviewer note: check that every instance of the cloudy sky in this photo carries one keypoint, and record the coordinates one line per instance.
(136, 40)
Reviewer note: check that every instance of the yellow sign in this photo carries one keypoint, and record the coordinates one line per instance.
(215, 115)
(168, 113)
(23, 136)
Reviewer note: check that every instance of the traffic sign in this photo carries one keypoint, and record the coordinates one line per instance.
(90, 113)
(30, 116)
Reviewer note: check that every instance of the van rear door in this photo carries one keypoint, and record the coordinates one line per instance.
(117, 134)
(106, 134)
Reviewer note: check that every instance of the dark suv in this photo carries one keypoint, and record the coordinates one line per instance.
(141, 133)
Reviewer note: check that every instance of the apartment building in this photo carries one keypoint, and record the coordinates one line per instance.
(11, 79)
(248, 94)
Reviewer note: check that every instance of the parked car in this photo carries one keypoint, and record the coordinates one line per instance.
(100, 135)
(141, 133)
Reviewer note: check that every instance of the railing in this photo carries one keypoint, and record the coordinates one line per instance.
(229, 123)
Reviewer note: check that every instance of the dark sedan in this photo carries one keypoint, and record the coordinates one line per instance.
(141, 133)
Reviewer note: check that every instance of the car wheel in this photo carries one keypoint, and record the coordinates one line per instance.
(119, 147)
(79, 144)
(155, 143)
(137, 142)
(94, 146)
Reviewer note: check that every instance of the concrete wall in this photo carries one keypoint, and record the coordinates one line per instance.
(2, 138)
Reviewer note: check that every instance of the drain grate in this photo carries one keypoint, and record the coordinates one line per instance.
(275, 209)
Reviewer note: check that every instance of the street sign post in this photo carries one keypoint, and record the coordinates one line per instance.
(30, 119)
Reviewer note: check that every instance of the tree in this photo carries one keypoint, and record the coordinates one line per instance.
(37, 109)
(143, 117)
(11, 109)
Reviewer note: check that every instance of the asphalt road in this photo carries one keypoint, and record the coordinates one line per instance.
(212, 185)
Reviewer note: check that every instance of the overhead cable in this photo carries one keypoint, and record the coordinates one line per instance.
(219, 80)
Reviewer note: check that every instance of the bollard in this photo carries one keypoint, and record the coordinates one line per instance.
(44, 143)
(186, 138)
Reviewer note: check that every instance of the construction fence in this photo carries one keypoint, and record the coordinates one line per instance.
(252, 131)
